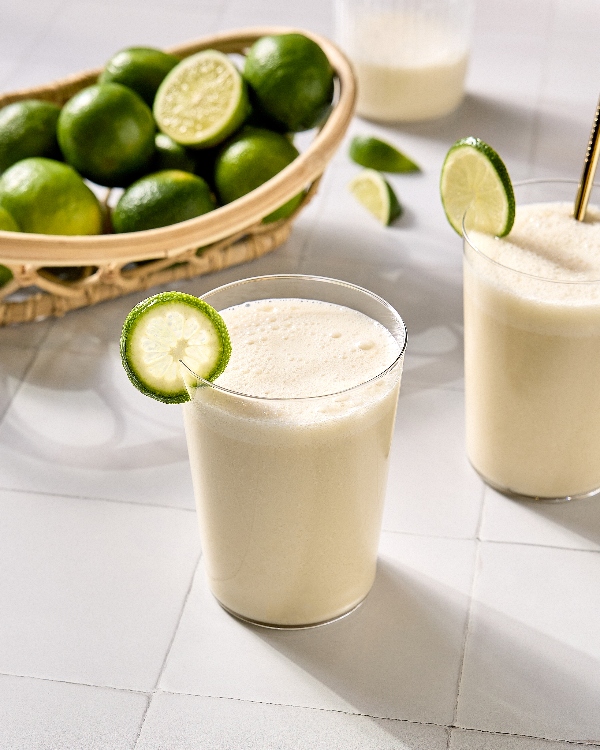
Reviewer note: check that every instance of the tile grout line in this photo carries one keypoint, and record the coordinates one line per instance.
(428, 536)
(412, 722)
(74, 682)
(155, 690)
(467, 628)
(36, 353)
(150, 693)
(95, 499)
(575, 743)
(541, 546)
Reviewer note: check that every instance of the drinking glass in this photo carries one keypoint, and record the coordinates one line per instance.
(532, 371)
(410, 56)
(289, 491)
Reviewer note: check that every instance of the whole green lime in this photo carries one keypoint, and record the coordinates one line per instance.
(7, 224)
(49, 197)
(160, 199)
(106, 132)
(139, 68)
(169, 154)
(291, 80)
(249, 160)
(27, 128)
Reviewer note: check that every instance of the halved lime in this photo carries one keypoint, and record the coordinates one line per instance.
(374, 153)
(202, 100)
(474, 178)
(164, 329)
(374, 192)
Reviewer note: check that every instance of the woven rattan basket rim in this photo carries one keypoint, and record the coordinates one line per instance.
(59, 250)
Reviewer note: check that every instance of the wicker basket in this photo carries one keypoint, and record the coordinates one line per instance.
(109, 265)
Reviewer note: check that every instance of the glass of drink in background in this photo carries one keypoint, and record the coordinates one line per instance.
(289, 447)
(532, 347)
(410, 56)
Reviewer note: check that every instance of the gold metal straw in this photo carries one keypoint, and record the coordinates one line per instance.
(589, 168)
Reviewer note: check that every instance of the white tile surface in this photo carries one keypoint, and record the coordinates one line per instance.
(432, 488)
(312, 16)
(23, 26)
(182, 722)
(405, 643)
(41, 714)
(564, 56)
(532, 660)
(91, 591)
(71, 40)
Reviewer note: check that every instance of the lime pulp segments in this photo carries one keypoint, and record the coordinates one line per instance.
(475, 180)
(164, 329)
(373, 191)
(202, 100)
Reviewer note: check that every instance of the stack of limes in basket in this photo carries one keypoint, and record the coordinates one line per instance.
(179, 136)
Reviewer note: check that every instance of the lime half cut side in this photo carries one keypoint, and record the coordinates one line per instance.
(202, 100)
(373, 191)
(475, 186)
(169, 329)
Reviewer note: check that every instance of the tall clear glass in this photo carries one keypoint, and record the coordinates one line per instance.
(410, 56)
(290, 491)
(532, 369)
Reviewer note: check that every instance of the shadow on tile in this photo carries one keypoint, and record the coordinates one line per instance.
(519, 680)
(580, 517)
(480, 115)
(397, 656)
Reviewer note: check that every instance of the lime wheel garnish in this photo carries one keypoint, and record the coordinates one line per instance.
(168, 335)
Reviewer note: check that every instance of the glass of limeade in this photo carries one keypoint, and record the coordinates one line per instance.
(532, 347)
(289, 447)
(410, 56)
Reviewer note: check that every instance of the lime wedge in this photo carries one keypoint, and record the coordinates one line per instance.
(164, 329)
(372, 190)
(202, 100)
(474, 177)
(376, 154)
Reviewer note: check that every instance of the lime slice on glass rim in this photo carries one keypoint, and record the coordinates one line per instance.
(374, 153)
(202, 100)
(169, 329)
(373, 191)
(474, 178)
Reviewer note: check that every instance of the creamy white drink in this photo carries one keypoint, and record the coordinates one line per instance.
(532, 353)
(409, 66)
(290, 482)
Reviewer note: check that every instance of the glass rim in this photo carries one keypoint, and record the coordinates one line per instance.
(319, 279)
(524, 183)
